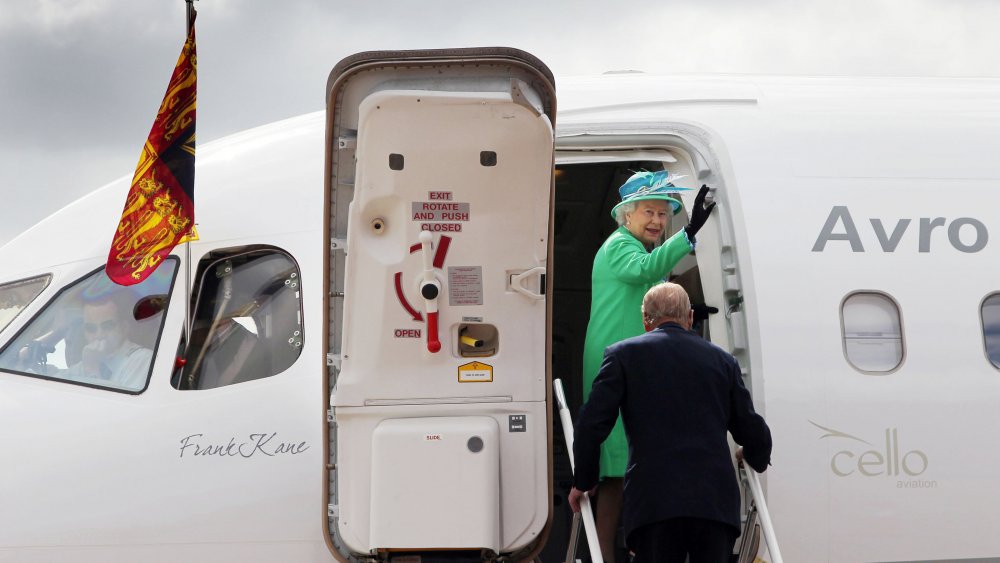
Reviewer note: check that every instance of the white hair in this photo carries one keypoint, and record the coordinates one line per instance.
(666, 301)
(623, 210)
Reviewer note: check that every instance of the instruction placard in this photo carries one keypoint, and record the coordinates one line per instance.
(465, 285)
(440, 213)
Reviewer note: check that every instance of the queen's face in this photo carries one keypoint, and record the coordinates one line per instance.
(648, 221)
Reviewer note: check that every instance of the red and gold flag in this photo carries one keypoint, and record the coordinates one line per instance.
(159, 209)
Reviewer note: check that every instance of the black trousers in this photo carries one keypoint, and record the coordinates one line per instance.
(674, 539)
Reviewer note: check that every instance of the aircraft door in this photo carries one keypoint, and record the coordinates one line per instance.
(440, 431)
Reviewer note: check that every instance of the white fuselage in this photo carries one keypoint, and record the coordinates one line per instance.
(828, 187)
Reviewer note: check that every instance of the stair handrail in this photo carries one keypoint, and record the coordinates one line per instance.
(589, 527)
(764, 516)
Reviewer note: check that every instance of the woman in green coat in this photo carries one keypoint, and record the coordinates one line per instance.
(625, 267)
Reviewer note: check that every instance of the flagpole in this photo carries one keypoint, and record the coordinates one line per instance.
(187, 243)
(190, 15)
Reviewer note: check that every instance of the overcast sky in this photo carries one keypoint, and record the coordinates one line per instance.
(80, 80)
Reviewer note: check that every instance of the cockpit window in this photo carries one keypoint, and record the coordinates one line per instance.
(248, 319)
(15, 296)
(95, 332)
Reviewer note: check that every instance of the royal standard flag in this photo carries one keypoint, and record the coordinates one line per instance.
(159, 209)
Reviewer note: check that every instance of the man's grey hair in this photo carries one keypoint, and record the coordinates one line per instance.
(666, 301)
(623, 210)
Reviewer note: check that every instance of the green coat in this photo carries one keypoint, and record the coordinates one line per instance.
(623, 273)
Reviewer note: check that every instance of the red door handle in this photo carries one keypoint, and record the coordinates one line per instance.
(433, 344)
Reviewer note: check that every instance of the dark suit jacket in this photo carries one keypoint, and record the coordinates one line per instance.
(678, 395)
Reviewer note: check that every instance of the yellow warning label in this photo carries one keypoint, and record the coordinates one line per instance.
(475, 372)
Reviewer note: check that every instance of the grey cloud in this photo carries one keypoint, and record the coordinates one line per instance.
(82, 81)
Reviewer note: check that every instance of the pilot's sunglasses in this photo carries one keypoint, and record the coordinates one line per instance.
(106, 326)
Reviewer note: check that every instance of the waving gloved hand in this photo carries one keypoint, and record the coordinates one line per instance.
(699, 213)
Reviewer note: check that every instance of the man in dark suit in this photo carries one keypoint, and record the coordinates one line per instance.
(678, 395)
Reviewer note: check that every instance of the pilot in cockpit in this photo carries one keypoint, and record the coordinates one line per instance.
(94, 332)
(108, 353)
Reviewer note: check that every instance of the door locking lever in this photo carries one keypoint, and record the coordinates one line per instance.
(430, 289)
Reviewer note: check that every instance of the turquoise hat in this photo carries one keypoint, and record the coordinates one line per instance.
(650, 185)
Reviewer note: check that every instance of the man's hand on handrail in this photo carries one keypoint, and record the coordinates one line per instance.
(575, 495)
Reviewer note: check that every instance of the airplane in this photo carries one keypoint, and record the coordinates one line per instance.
(354, 361)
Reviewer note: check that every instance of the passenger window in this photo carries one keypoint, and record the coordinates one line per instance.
(95, 332)
(991, 328)
(248, 319)
(873, 334)
(15, 296)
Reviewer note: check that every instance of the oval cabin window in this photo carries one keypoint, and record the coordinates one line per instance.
(872, 332)
(990, 312)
